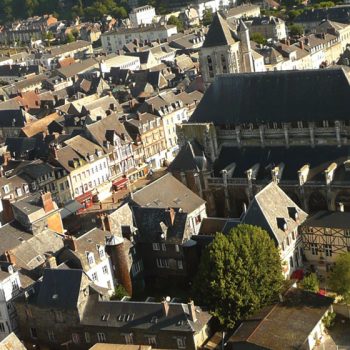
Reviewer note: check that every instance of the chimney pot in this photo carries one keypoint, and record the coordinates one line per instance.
(192, 311)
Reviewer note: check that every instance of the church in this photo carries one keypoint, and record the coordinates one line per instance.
(290, 127)
(228, 50)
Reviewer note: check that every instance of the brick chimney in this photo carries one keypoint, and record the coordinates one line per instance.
(171, 212)
(192, 311)
(10, 257)
(53, 151)
(71, 243)
(6, 157)
(47, 202)
(7, 212)
(165, 307)
(51, 262)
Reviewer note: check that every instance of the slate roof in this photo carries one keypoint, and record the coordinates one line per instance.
(336, 13)
(60, 288)
(167, 192)
(285, 325)
(141, 315)
(293, 159)
(282, 96)
(191, 157)
(220, 33)
(269, 208)
(148, 222)
(329, 219)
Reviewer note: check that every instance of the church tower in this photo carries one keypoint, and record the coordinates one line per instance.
(246, 51)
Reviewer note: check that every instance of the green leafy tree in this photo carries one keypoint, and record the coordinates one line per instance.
(239, 273)
(339, 278)
(258, 38)
(173, 20)
(119, 292)
(70, 38)
(310, 283)
(48, 37)
(296, 30)
(207, 17)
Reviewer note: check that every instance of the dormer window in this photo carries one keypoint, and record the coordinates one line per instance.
(101, 252)
(90, 258)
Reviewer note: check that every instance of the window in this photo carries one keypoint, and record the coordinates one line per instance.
(163, 247)
(2, 327)
(181, 342)
(198, 219)
(51, 336)
(129, 339)
(101, 337)
(136, 268)
(347, 233)
(151, 340)
(291, 262)
(15, 285)
(90, 258)
(177, 248)
(6, 189)
(101, 252)
(58, 316)
(33, 332)
(105, 270)
(180, 265)
(328, 250)
(75, 338)
(156, 246)
(94, 276)
(87, 337)
(162, 263)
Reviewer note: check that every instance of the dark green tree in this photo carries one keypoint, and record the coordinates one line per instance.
(70, 38)
(173, 20)
(296, 30)
(258, 38)
(310, 283)
(119, 292)
(207, 17)
(239, 273)
(339, 278)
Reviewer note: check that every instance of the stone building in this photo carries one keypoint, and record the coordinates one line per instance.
(225, 50)
(66, 308)
(289, 135)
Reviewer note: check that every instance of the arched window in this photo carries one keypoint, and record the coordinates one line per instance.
(210, 67)
(223, 63)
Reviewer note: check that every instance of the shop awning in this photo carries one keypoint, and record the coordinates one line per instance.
(84, 196)
(71, 208)
(120, 182)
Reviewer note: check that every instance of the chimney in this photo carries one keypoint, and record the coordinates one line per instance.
(6, 157)
(10, 257)
(301, 44)
(7, 212)
(172, 215)
(47, 202)
(192, 311)
(340, 207)
(1, 171)
(70, 242)
(51, 262)
(53, 151)
(165, 306)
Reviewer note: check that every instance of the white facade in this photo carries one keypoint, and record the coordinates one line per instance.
(101, 273)
(213, 5)
(114, 41)
(122, 62)
(9, 288)
(142, 15)
(196, 217)
(291, 253)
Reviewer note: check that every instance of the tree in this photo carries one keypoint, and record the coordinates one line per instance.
(48, 36)
(310, 283)
(173, 20)
(119, 292)
(207, 17)
(339, 278)
(258, 38)
(238, 274)
(296, 30)
(70, 38)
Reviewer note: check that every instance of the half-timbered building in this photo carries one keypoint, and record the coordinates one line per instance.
(325, 235)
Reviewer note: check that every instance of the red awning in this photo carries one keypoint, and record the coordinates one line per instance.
(84, 196)
(121, 182)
